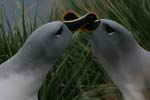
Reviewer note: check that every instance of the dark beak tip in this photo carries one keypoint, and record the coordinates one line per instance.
(69, 15)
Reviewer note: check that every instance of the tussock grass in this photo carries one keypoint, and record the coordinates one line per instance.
(77, 75)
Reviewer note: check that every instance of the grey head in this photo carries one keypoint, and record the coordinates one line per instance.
(43, 47)
(49, 40)
(110, 40)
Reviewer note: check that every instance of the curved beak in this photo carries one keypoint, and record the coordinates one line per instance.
(88, 22)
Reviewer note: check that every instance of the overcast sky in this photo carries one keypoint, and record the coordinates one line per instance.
(44, 7)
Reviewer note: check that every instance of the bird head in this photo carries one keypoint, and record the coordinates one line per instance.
(48, 42)
(110, 40)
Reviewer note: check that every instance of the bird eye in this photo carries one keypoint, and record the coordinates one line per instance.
(109, 29)
(59, 31)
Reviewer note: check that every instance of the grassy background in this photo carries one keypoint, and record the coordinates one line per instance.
(77, 75)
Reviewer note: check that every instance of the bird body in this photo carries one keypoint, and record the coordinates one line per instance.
(22, 75)
(123, 58)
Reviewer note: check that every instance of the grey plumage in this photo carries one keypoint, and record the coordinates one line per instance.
(125, 61)
(22, 75)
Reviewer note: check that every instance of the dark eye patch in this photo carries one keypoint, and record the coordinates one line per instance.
(109, 29)
(59, 31)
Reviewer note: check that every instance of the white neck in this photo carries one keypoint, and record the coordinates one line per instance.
(22, 77)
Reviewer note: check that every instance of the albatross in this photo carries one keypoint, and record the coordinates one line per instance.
(22, 75)
(127, 63)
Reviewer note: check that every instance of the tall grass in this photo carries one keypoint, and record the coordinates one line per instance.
(77, 75)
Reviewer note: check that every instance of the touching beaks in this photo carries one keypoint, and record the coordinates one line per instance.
(88, 22)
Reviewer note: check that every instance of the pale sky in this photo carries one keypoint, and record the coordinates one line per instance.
(44, 7)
